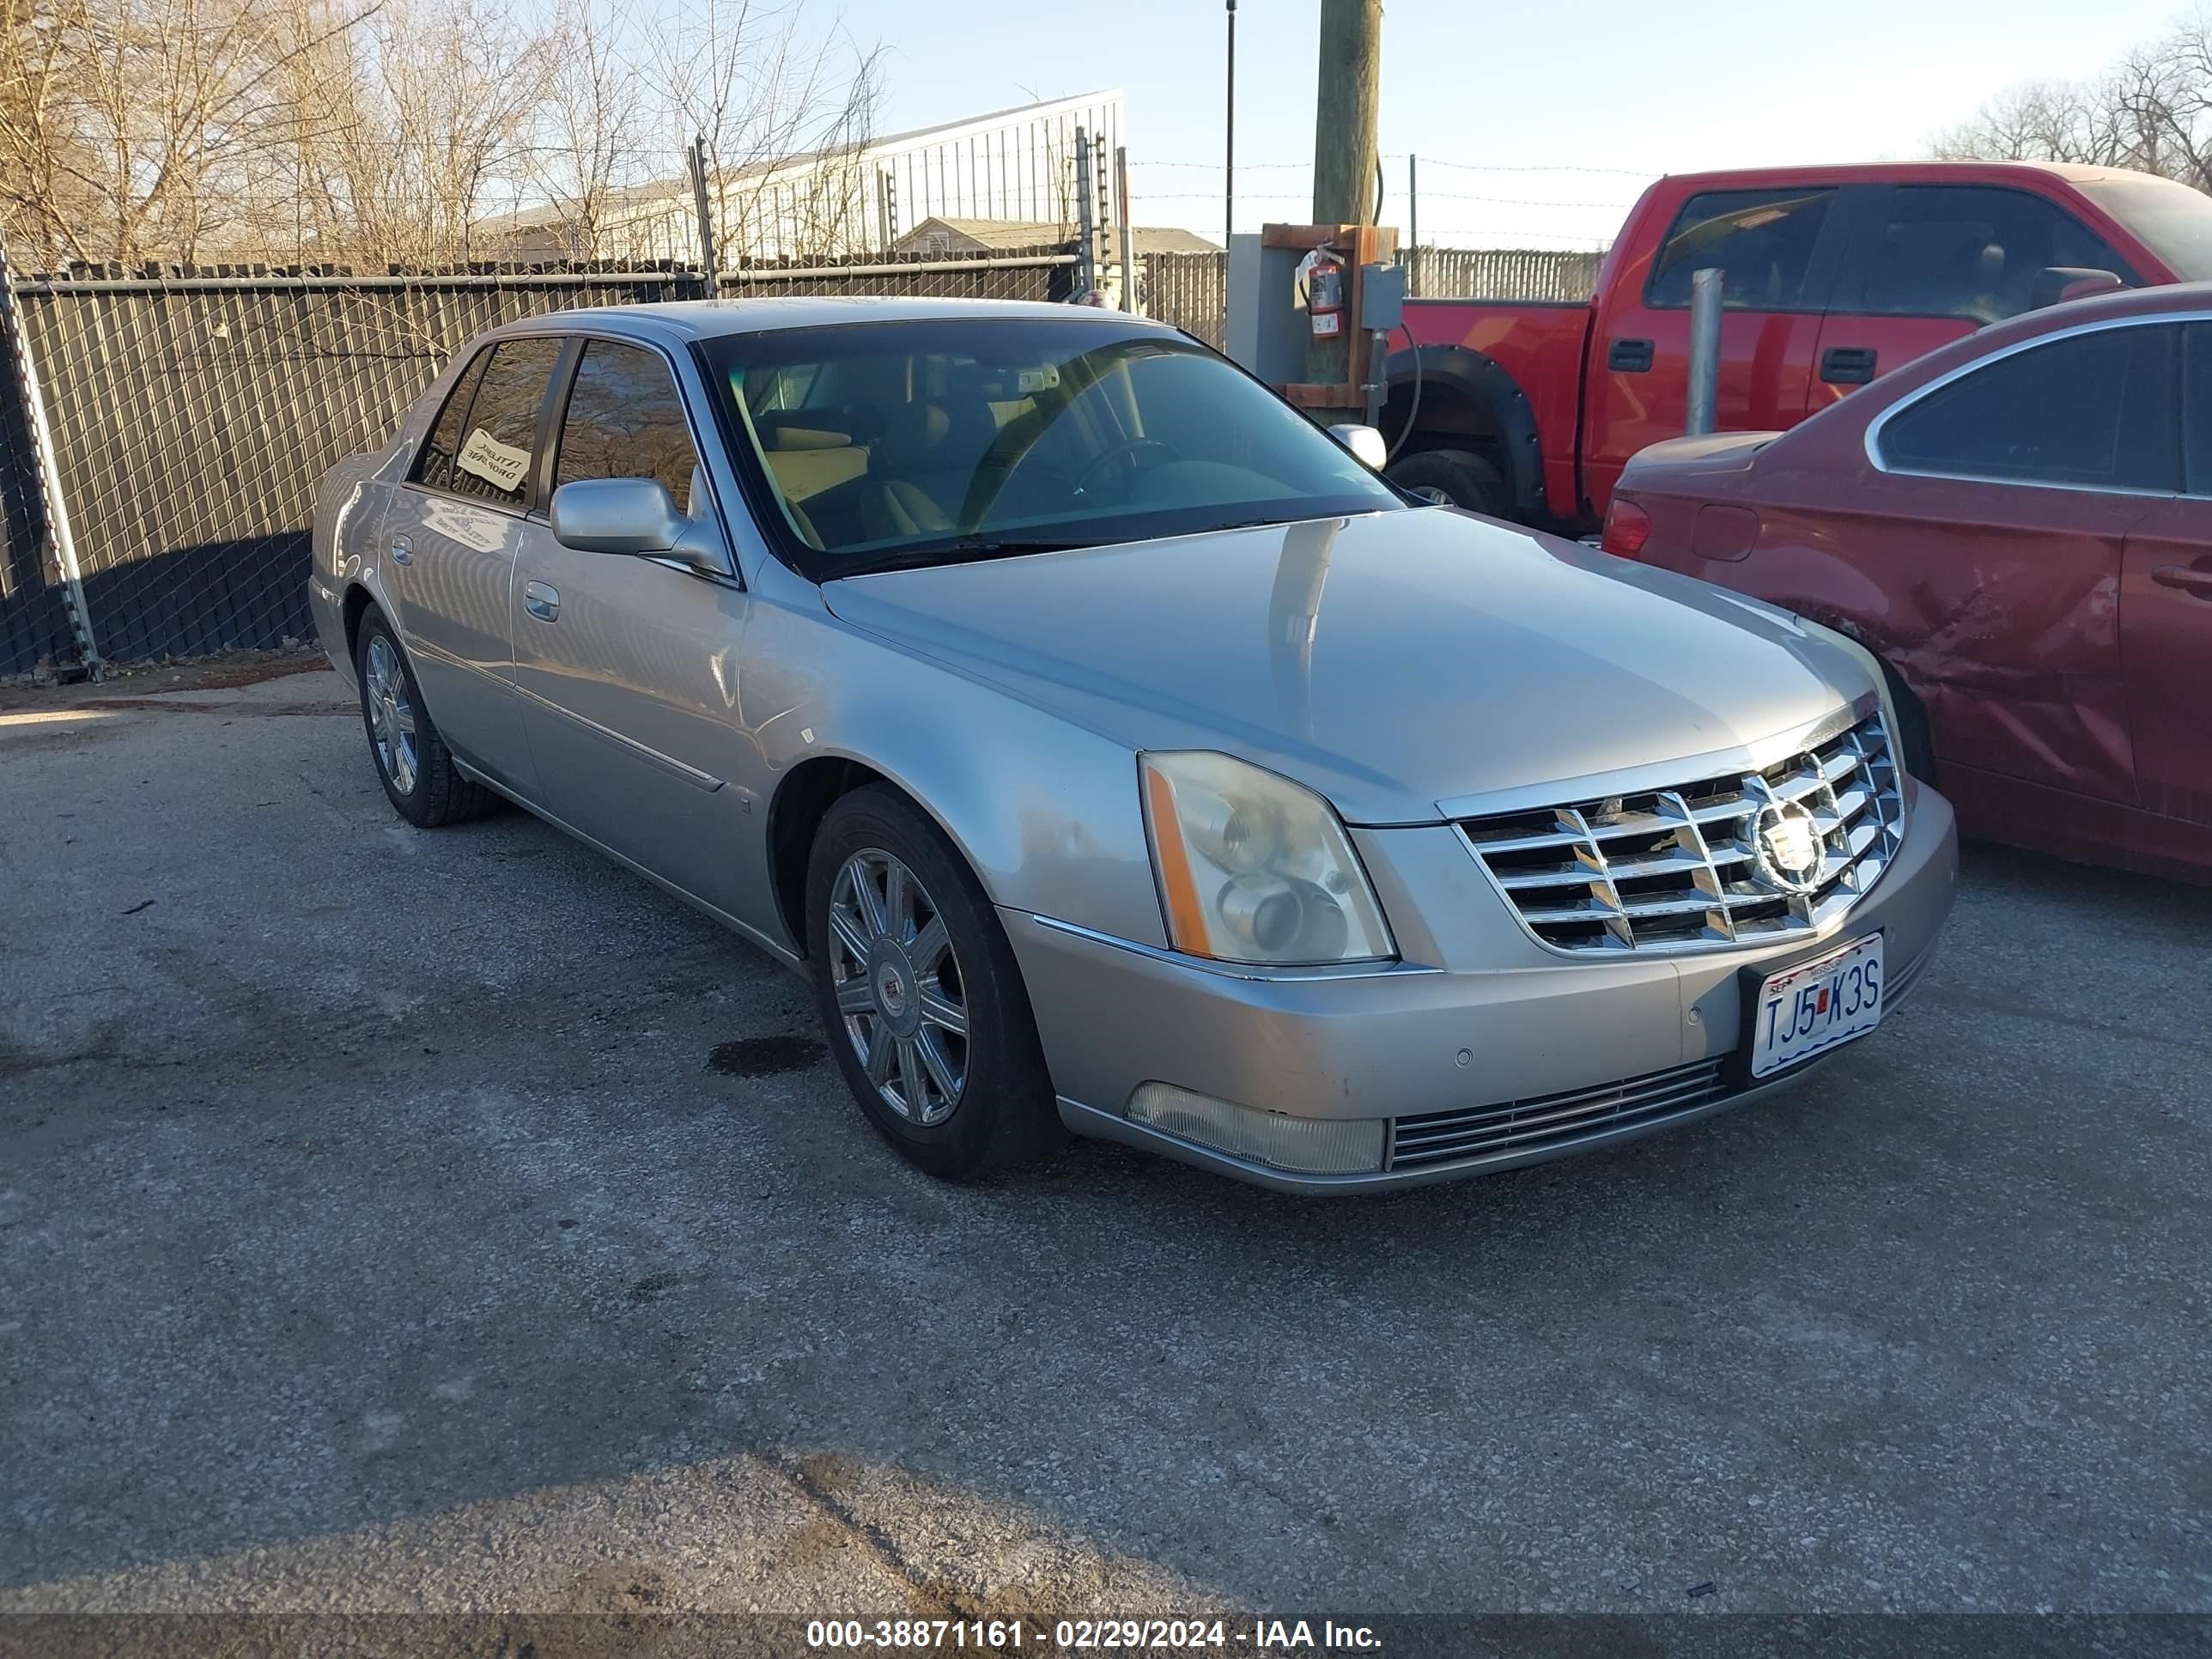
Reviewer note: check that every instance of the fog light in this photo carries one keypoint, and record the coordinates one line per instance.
(1307, 1146)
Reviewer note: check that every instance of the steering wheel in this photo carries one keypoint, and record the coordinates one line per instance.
(1127, 450)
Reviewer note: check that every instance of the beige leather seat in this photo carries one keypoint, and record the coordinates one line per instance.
(809, 460)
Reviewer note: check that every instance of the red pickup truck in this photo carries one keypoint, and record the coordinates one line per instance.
(1830, 275)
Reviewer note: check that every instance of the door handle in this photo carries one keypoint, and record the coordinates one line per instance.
(542, 600)
(1847, 365)
(403, 550)
(1629, 357)
(2186, 578)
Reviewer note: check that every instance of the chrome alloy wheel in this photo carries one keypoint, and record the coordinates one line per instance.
(390, 718)
(899, 987)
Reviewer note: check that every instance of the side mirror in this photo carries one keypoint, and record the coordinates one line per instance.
(634, 516)
(2055, 284)
(1364, 442)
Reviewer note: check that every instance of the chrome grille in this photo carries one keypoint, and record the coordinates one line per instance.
(1522, 1125)
(1677, 870)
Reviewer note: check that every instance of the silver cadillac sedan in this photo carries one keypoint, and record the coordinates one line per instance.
(1116, 752)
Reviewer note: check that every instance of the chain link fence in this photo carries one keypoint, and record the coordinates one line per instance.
(192, 413)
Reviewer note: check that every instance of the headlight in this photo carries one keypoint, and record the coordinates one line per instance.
(1254, 868)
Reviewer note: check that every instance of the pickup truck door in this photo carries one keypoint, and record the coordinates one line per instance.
(1926, 265)
(1778, 251)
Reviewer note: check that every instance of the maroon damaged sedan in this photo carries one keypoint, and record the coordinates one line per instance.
(2020, 526)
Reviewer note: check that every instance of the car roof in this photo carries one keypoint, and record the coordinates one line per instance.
(1899, 172)
(704, 320)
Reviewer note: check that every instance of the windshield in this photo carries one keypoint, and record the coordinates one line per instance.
(2170, 219)
(894, 443)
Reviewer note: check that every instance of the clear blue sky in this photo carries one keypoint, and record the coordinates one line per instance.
(1600, 84)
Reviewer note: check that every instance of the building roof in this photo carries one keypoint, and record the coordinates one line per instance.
(1004, 234)
(663, 190)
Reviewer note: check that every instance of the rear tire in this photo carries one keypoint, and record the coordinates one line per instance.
(1457, 478)
(412, 762)
(920, 993)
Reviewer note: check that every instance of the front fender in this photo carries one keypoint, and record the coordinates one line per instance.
(1465, 372)
(1045, 811)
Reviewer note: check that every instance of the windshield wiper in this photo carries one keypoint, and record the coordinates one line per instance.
(966, 549)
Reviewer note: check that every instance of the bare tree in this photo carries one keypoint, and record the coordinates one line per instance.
(589, 140)
(785, 116)
(421, 131)
(137, 129)
(2151, 111)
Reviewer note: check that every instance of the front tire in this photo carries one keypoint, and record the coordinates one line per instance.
(412, 762)
(920, 994)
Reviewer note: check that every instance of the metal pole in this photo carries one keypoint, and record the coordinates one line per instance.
(1128, 236)
(61, 546)
(1704, 349)
(707, 257)
(1229, 142)
(1412, 225)
(1086, 269)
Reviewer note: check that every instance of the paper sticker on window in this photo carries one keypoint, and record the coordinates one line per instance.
(500, 465)
(1034, 380)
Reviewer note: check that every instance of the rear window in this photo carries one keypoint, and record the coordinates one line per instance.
(1760, 240)
(497, 455)
(434, 465)
(2094, 409)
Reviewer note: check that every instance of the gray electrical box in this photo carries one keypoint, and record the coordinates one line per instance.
(1382, 296)
(1267, 328)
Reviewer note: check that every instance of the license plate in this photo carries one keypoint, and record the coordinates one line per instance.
(1812, 1007)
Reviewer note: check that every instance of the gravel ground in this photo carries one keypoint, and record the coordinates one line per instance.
(393, 1221)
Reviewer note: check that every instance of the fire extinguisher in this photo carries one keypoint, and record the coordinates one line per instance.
(1320, 279)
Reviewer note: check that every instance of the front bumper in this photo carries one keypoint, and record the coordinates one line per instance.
(1477, 1021)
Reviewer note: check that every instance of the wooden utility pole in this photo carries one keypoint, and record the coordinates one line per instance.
(1347, 111)
(1347, 108)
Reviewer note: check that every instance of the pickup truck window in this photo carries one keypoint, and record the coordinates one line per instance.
(2094, 409)
(1971, 251)
(2172, 221)
(1762, 240)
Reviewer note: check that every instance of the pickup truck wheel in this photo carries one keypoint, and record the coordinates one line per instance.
(921, 993)
(1453, 478)
(412, 762)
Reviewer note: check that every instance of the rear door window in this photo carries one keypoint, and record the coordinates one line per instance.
(2096, 410)
(1762, 241)
(625, 420)
(1971, 251)
(496, 458)
(434, 465)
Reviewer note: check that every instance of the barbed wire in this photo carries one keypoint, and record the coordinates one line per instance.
(1425, 160)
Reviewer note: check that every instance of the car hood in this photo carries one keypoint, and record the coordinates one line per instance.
(1389, 661)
